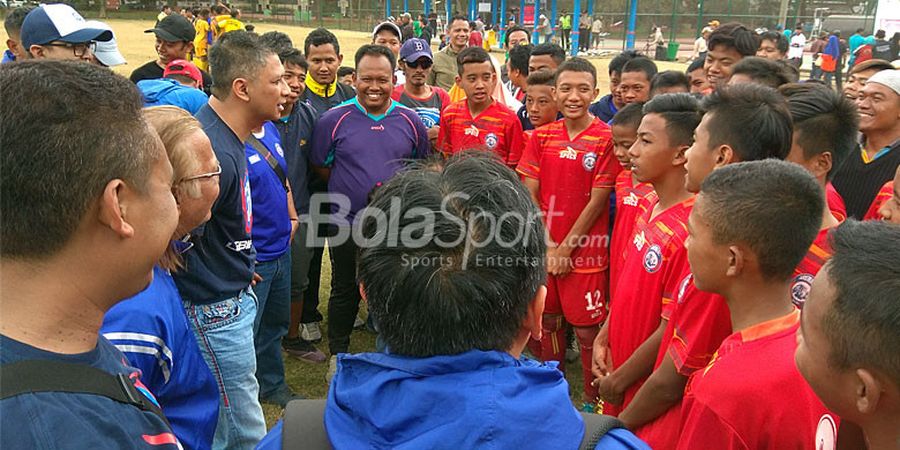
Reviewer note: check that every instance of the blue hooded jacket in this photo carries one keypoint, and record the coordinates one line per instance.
(165, 91)
(472, 400)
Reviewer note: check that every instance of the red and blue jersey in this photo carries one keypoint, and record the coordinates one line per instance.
(567, 170)
(496, 129)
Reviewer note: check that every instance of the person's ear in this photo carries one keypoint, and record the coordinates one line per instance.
(736, 260)
(822, 164)
(680, 159)
(724, 155)
(868, 391)
(240, 88)
(340, 59)
(535, 313)
(458, 80)
(113, 208)
(36, 51)
(12, 45)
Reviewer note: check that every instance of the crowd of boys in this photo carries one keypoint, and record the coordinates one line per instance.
(158, 258)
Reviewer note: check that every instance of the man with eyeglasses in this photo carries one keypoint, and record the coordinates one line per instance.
(174, 40)
(427, 101)
(56, 31)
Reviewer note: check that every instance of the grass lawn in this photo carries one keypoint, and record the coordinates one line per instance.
(305, 378)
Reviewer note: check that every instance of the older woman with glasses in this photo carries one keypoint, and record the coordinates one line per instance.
(151, 328)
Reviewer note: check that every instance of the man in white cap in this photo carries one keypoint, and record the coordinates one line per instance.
(859, 178)
(106, 53)
(57, 31)
(388, 34)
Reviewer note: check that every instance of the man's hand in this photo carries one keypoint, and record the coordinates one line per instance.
(433, 134)
(608, 391)
(601, 364)
(559, 262)
(256, 279)
(295, 224)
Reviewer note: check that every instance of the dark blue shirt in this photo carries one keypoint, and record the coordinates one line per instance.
(271, 220)
(49, 420)
(221, 263)
(296, 131)
(604, 109)
(152, 330)
(363, 150)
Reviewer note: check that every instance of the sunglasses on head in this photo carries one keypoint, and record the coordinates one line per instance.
(421, 62)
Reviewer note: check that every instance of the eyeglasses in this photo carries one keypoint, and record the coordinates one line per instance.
(79, 49)
(421, 62)
(204, 175)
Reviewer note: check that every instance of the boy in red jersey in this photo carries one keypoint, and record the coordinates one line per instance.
(701, 320)
(745, 250)
(850, 327)
(569, 168)
(825, 132)
(479, 122)
(629, 191)
(655, 258)
(540, 101)
(886, 205)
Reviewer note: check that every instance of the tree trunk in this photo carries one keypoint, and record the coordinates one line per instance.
(102, 8)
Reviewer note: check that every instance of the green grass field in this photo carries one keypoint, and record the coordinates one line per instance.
(305, 378)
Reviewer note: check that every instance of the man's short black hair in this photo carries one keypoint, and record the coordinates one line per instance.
(514, 29)
(237, 54)
(773, 207)
(696, 64)
(471, 55)
(343, 71)
(466, 285)
(556, 52)
(763, 71)
(752, 119)
(641, 64)
(321, 36)
(542, 78)
(455, 18)
(780, 40)
(276, 41)
(617, 63)
(668, 79)
(518, 58)
(880, 34)
(376, 50)
(69, 128)
(577, 64)
(824, 121)
(14, 20)
(630, 115)
(734, 35)
(863, 323)
(294, 57)
(681, 112)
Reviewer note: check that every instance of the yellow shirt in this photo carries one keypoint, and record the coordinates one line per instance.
(201, 44)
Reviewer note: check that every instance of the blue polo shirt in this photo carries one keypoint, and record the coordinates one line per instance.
(363, 150)
(295, 131)
(271, 220)
(221, 263)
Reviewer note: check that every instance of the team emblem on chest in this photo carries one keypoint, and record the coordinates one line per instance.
(652, 259)
(588, 161)
(490, 140)
(568, 153)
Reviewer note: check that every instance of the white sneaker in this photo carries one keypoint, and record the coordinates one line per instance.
(310, 332)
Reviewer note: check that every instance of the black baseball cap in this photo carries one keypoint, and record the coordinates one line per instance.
(174, 28)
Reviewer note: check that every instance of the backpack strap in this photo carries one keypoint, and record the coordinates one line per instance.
(32, 376)
(304, 425)
(595, 427)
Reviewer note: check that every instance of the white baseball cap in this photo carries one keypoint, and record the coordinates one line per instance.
(59, 22)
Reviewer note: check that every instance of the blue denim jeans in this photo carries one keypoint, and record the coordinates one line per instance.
(272, 322)
(224, 331)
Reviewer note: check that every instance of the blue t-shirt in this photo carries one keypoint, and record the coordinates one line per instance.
(73, 420)
(8, 56)
(221, 263)
(271, 220)
(363, 150)
(151, 329)
(295, 131)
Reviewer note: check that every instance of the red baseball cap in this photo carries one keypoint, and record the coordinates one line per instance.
(186, 68)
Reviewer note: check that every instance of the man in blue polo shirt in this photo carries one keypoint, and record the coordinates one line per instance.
(355, 146)
(215, 284)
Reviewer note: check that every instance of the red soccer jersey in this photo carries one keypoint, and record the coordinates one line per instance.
(819, 253)
(885, 194)
(496, 129)
(835, 203)
(629, 195)
(567, 170)
(751, 396)
(655, 264)
(696, 328)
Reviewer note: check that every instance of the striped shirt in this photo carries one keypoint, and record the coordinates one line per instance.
(819, 253)
(495, 129)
